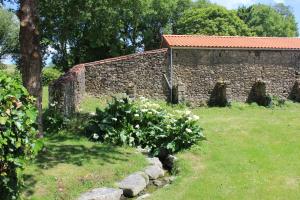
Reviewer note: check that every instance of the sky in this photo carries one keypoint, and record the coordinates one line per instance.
(230, 4)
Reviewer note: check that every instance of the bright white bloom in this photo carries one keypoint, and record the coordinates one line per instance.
(187, 112)
(144, 110)
(95, 136)
(188, 130)
(121, 101)
(195, 117)
(127, 111)
(114, 119)
(136, 115)
(92, 113)
(137, 126)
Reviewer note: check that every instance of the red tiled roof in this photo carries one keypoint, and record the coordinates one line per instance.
(236, 42)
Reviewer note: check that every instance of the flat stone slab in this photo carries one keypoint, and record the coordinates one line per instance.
(155, 161)
(102, 194)
(154, 172)
(133, 184)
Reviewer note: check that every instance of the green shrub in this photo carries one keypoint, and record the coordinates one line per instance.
(50, 74)
(144, 124)
(18, 134)
(3, 66)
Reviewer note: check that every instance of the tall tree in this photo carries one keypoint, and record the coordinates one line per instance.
(264, 20)
(9, 33)
(31, 60)
(212, 20)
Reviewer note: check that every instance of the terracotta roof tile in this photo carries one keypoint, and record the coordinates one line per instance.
(200, 41)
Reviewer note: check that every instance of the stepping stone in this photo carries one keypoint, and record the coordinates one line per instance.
(102, 194)
(155, 161)
(154, 172)
(133, 184)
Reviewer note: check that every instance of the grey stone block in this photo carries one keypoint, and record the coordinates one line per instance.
(133, 184)
(154, 172)
(102, 194)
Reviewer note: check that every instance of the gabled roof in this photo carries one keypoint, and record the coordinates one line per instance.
(231, 42)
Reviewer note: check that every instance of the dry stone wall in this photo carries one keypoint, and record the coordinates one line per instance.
(200, 71)
(141, 74)
(199, 76)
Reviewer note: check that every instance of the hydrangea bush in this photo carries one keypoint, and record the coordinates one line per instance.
(146, 124)
(18, 141)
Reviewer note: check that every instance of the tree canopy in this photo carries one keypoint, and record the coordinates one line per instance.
(212, 20)
(9, 33)
(266, 20)
(98, 29)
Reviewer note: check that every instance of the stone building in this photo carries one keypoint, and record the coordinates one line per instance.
(189, 68)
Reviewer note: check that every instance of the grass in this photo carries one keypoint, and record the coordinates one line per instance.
(251, 152)
(71, 164)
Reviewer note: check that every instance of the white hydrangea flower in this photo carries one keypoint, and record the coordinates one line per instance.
(188, 130)
(187, 112)
(195, 117)
(114, 119)
(95, 136)
(137, 126)
(136, 115)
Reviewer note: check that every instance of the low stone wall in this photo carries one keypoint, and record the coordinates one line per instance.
(211, 76)
(200, 71)
(140, 73)
(66, 92)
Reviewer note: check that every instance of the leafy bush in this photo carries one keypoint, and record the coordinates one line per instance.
(3, 66)
(18, 134)
(50, 74)
(144, 124)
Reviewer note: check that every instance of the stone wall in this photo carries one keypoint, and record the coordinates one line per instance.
(66, 92)
(201, 70)
(142, 73)
(200, 76)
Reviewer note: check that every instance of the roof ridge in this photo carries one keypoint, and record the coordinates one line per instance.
(236, 36)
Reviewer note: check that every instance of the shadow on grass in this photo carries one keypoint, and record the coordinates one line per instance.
(78, 154)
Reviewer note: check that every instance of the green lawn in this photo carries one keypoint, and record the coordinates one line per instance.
(250, 153)
(71, 164)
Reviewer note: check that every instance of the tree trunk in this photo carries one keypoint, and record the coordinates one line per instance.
(31, 60)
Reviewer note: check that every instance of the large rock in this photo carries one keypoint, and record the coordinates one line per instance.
(134, 184)
(154, 172)
(155, 161)
(102, 194)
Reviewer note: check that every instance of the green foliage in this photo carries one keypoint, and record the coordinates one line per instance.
(212, 20)
(144, 124)
(266, 20)
(50, 74)
(18, 134)
(9, 33)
